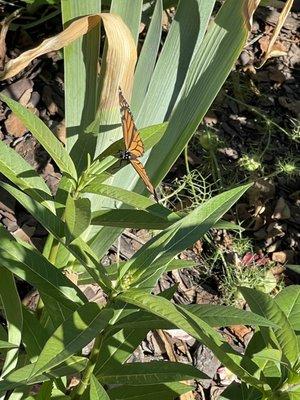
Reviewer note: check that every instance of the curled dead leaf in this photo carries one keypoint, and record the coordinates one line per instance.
(4, 28)
(249, 8)
(274, 48)
(121, 53)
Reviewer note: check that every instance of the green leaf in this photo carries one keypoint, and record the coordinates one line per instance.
(75, 333)
(34, 335)
(267, 359)
(79, 248)
(44, 136)
(101, 241)
(20, 377)
(165, 88)
(29, 265)
(147, 58)
(268, 356)
(218, 315)
(45, 391)
(240, 391)
(18, 171)
(13, 312)
(80, 82)
(7, 345)
(113, 270)
(136, 219)
(139, 319)
(151, 260)
(194, 326)
(228, 226)
(133, 199)
(288, 300)
(176, 54)
(78, 216)
(130, 11)
(150, 373)
(264, 305)
(166, 391)
(97, 391)
(211, 64)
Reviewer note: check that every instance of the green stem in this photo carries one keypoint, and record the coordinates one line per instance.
(257, 112)
(188, 171)
(87, 373)
(216, 168)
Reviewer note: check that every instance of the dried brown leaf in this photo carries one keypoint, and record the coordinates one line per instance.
(4, 28)
(277, 49)
(249, 8)
(121, 53)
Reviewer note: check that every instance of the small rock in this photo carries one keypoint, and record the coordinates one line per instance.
(15, 126)
(210, 118)
(276, 230)
(245, 58)
(229, 152)
(11, 224)
(283, 256)
(16, 90)
(277, 76)
(282, 210)
(261, 234)
(34, 99)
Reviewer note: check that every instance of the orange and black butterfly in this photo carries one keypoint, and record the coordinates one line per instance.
(134, 146)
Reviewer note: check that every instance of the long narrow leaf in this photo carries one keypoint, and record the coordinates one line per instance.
(30, 265)
(288, 300)
(81, 97)
(167, 391)
(133, 199)
(210, 67)
(44, 136)
(96, 390)
(135, 219)
(76, 332)
(164, 247)
(147, 58)
(130, 11)
(166, 82)
(34, 335)
(19, 172)
(265, 306)
(20, 377)
(150, 373)
(54, 225)
(13, 312)
(192, 325)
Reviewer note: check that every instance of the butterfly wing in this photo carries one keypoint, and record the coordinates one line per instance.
(133, 142)
(140, 169)
(132, 139)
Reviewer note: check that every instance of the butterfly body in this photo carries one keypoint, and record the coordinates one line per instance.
(127, 155)
(134, 147)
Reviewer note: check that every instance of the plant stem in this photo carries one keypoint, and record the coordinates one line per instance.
(188, 171)
(263, 116)
(216, 169)
(79, 390)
